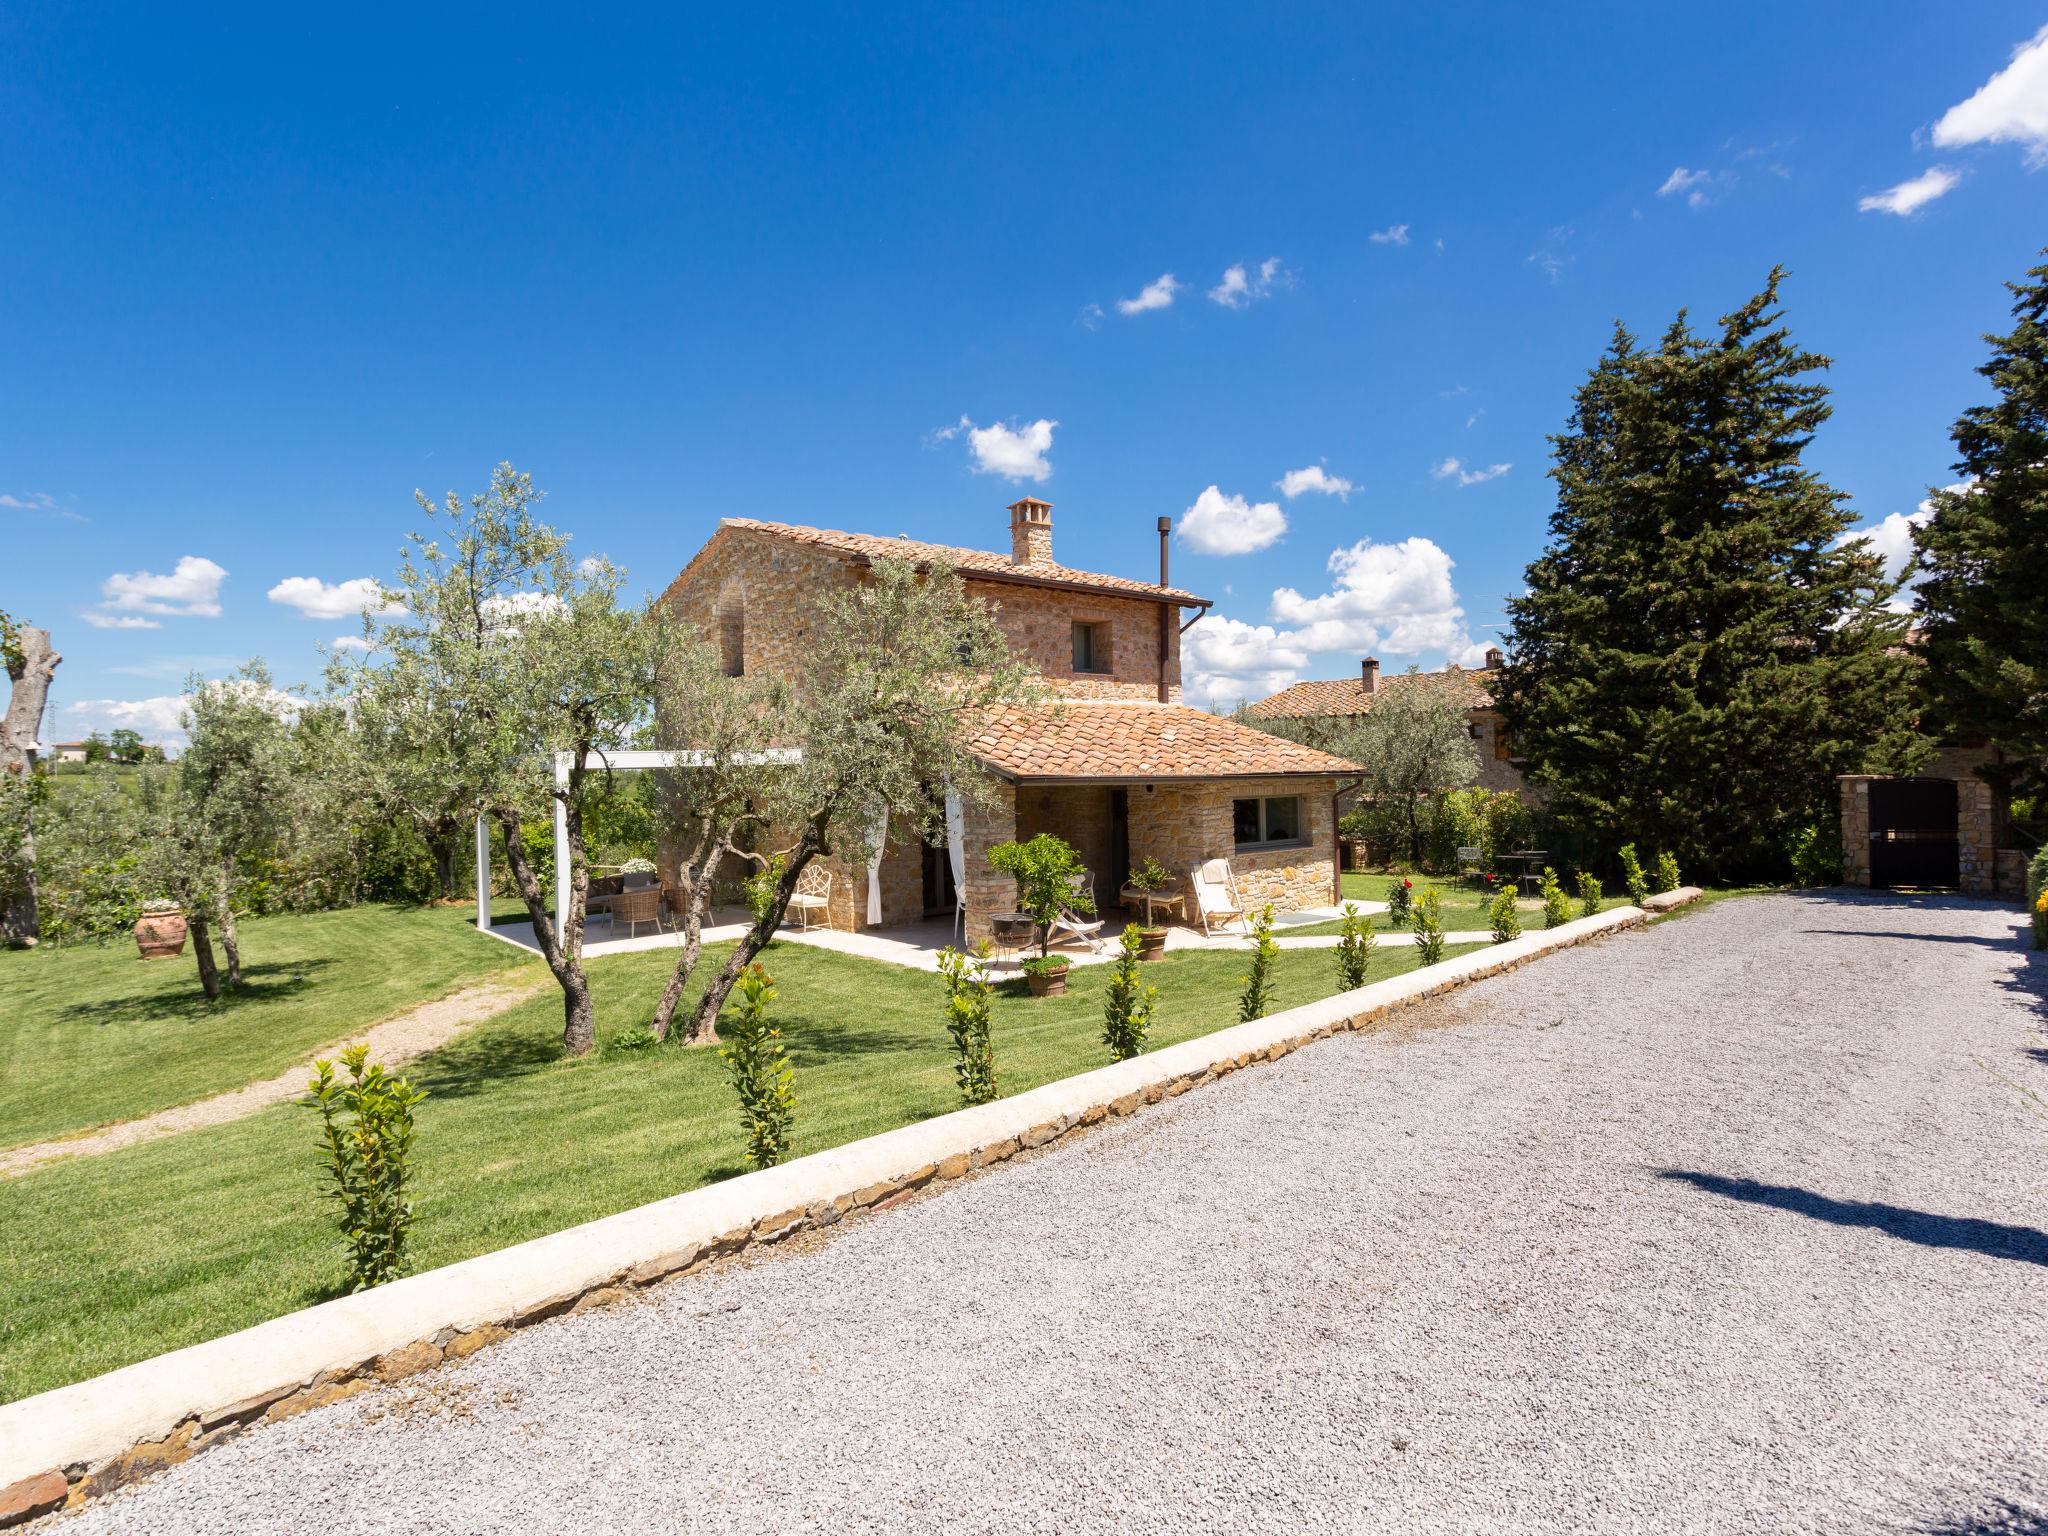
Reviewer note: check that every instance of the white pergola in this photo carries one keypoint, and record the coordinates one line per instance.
(618, 762)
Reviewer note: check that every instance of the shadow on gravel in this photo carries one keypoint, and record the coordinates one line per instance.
(2028, 1245)
(2004, 1518)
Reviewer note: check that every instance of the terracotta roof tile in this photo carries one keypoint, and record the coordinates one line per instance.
(1103, 739)
(985, 563)
(1469, 687)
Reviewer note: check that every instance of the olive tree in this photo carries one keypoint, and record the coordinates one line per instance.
(502, 652)
(1413, 742)
(31, 663)
(906, 667)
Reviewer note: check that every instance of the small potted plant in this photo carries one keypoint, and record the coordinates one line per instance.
(1049, 876)
(160, 930)
(1046, 975)
(1147, 876)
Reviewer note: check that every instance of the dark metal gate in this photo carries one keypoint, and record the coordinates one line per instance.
(1913, 832)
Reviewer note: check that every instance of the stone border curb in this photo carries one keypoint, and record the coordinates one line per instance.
(1671, 900)
(77, 1442)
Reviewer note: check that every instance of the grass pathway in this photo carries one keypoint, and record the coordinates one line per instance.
(402, 1037)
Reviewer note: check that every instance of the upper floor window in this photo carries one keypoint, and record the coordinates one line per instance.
(1091, 647)
(1272, 822)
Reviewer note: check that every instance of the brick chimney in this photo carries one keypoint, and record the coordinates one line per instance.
(1369, 674)
(1494, 659)
(1031, 532)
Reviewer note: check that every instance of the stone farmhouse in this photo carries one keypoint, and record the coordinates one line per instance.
(1470, 687)
(1115, 764)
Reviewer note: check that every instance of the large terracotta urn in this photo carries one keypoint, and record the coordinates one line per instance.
(160, 935)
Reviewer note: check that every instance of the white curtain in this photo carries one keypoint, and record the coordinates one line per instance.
(875, 870)
(956, 848)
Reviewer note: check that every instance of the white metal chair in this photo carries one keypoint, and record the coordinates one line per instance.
(1216, 899)
(1470, 861)
(812, 902)
(1070, 924)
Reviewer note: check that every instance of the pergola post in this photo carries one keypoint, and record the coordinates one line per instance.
(561, 846)
(483, 875)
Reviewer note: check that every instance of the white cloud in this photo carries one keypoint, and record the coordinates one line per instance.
(1240, 287)
(1393, 234)
(505, 606)
(118, 620)
(1892, 540)
(1454, 469)
(1229, 525)
(1696, 185)
(1315, 478)
(192, 590)
(157, 719)
(1394, 598)
(353, 643)
(1157, 294)
(1225, 662)
(1909, 196)
(2009, 108)
(1552, 257)
(1091, 316)
(317, 599)
(1015, 453)
(40, 503)
(160, 719)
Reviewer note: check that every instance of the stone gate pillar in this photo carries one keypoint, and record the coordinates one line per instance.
(1855, 829)
(1976, 837)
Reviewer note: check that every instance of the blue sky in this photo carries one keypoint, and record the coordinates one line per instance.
(265, 280)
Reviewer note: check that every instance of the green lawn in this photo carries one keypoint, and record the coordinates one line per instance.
(115, 1258)
(94, 1034)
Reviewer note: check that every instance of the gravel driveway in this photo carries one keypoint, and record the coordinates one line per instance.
(1737, 1224)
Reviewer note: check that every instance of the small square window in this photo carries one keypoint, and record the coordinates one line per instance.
(1091, 647)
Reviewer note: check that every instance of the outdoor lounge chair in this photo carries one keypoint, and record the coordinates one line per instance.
(632, 908)
(1216, 899)
(812, 902)
(1472, 865)
(1070, 924)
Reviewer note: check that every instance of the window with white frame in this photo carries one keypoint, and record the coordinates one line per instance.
(1272, 821)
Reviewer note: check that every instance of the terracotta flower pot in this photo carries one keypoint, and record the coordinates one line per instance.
(160, 935)
(1047, 983)
(1151, 943)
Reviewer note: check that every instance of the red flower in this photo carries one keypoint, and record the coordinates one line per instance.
(1409, 883)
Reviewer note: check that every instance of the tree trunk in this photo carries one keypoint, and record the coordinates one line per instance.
(230, 942)
(579, 1022)
(202, 952)
(444, 847)
(693, 940)
(1414, 837)
(21, 922)
(704, 1023)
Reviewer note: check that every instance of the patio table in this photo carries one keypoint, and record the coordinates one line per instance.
(1175, 901)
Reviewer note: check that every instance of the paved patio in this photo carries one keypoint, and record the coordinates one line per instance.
(917, 945)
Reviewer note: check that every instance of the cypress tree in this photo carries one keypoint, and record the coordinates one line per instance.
(1699, 653)
(1984, 602)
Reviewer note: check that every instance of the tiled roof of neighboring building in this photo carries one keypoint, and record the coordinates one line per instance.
(985, 564)
(1468, 687)
(1112, 740)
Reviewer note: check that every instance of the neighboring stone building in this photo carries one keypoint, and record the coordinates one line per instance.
(1118, 766)
(1471, 688)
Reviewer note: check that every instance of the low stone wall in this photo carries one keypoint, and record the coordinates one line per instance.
(71, 1444)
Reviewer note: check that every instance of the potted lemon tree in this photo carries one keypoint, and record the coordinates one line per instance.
(1045, 869)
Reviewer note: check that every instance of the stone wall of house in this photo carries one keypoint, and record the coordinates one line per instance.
(988, 889)
(1039, 624)
(1181, 825)
(756, 596)
(1080, 814)
(1496, 771)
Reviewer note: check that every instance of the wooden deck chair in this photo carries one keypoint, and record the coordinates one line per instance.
(1216, 899)
(1071, 925)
